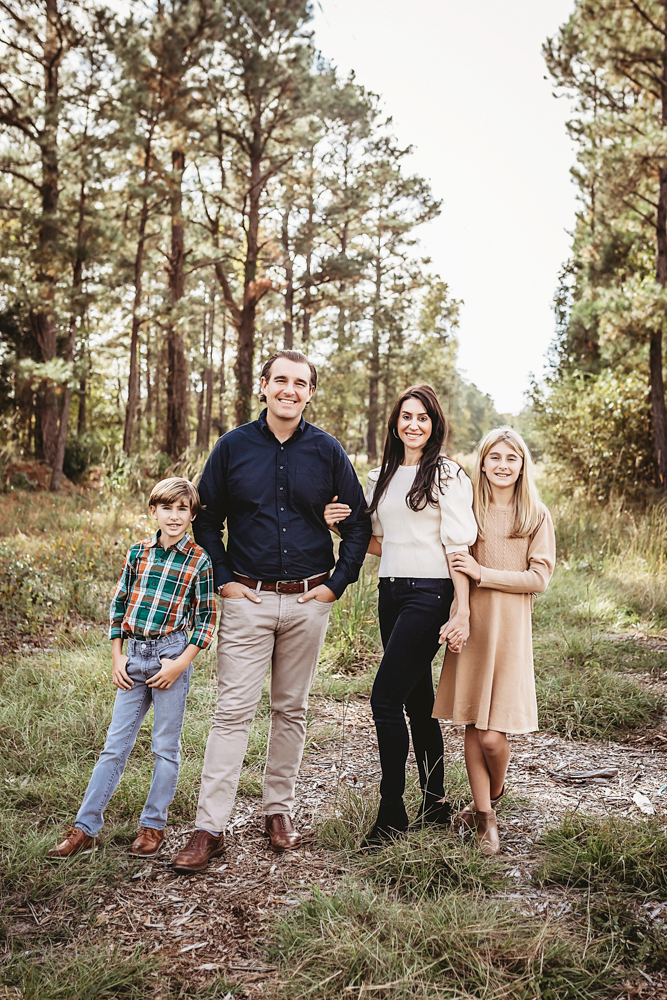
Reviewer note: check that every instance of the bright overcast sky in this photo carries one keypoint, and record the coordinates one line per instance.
(464, 82)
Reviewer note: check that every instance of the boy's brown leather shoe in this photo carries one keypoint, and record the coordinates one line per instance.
(200, 848)
(281, 833)
(148, 843)
(75, 841)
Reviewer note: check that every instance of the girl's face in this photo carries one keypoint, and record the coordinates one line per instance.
(502, 465)
(414, 426)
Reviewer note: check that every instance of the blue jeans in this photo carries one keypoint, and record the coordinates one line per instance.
(130, 710)
(411, 612)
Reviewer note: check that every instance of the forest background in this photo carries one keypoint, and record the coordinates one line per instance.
(185, 188)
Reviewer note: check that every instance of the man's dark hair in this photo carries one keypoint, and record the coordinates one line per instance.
(295, 356)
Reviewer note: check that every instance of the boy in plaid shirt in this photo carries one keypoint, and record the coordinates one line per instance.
(165, 588)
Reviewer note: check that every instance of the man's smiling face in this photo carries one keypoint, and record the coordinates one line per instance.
(287, 389)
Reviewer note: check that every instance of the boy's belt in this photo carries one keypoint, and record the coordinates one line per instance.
(283, 586)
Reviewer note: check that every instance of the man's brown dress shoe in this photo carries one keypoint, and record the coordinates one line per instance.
(200, 848)
(281, 833)
(75, 841)
(147, 843)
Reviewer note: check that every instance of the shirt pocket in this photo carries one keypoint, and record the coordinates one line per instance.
(313, 487)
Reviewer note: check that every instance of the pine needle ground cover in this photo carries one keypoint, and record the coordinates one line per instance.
(427, 917)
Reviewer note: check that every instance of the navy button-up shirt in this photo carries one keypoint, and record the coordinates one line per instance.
(272, 498)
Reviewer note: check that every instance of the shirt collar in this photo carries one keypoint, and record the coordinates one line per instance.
(268, 433)
(181, 545)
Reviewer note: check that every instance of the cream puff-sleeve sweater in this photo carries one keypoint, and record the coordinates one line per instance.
(416, 543)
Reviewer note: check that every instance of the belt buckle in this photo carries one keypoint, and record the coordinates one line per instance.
(287, 583)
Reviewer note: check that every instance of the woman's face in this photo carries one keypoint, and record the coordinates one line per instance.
(502, 465)
(414, 426)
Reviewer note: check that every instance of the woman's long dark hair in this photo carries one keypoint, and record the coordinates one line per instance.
(424, 489)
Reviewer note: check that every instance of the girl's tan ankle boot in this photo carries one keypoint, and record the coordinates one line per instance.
(487, 831)
(467, 815)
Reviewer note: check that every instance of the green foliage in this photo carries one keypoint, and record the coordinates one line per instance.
(88, 974)
(429, 864)
(594, 412)
(51, 570)
(606, 855)
(455, 946)
(424, 917)
(596, 431)
(81, 452)
(353, 637)
(592, 703)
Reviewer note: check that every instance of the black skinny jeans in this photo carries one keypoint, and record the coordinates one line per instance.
(411, 612)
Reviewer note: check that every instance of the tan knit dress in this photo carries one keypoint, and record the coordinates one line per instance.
(490, 684)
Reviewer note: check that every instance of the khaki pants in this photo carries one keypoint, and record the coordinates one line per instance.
(288, 635)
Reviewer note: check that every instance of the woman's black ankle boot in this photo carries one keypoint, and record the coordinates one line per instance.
(432, 811)
(391, 822)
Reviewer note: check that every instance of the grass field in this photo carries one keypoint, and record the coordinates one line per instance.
(426, 918)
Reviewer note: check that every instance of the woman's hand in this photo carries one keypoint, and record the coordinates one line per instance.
(335, 512)
(455, 632)
(465, 563)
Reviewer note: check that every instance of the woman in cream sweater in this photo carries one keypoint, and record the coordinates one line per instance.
(421, 509)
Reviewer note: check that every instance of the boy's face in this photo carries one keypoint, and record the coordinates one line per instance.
(172, 520)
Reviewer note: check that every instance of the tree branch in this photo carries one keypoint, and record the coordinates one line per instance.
(649, 20)
(227, 295)
(206, 263)
(22, 177)
(646, 218)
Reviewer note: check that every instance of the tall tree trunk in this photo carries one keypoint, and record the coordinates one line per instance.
(308, 274)
(222, 416)
(177, 436)
(208, 409)
(43, 319)
(246, 330)
(307, 308)
(288, 323)
(149, 390)
(160, 364)
(75, 312)
(133, 381)
(254, 287)
(374, 369)
(82, 392)
(655, 355)
(201, 395)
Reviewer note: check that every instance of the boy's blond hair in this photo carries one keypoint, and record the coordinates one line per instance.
(526, 501)
(172, 489)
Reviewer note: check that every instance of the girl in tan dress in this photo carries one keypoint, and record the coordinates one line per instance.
(489, 687)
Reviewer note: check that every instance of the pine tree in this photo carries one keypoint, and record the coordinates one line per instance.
(614, 57)
(258, 88)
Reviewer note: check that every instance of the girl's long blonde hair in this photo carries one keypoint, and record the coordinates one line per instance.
(527, 513)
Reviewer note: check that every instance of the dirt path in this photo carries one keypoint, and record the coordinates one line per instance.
(217, 921)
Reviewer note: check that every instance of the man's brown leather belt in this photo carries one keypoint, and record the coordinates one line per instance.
(284, 586)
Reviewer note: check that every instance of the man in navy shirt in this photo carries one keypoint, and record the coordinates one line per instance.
(269, 481)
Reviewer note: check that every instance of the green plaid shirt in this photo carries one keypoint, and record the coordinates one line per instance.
(162, 590)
